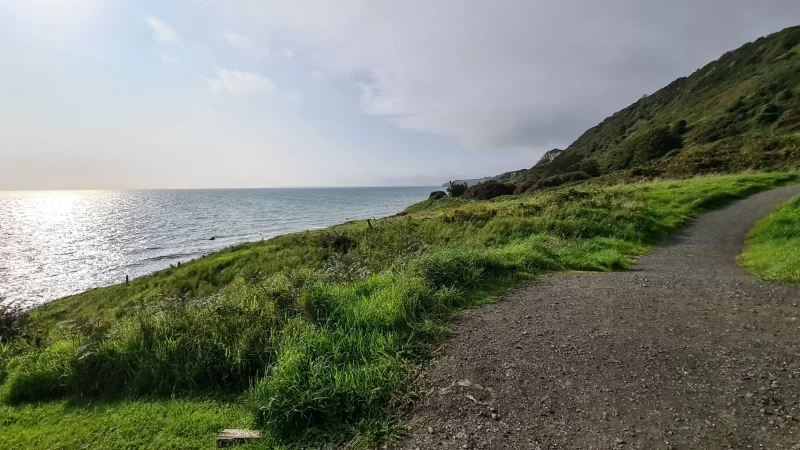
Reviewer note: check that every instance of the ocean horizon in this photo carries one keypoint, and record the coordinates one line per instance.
(63, 242)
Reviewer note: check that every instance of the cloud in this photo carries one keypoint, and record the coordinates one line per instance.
(162, 32)
(240, 83)
(288, 54)
(318, 75)
(530, 73)
(237, 40)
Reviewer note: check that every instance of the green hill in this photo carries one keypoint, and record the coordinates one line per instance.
(740, 112)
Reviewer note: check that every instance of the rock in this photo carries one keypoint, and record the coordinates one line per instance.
(213, 238)
(430, 430)
(437, 195)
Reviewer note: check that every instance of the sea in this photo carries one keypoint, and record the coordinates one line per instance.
(58, 243)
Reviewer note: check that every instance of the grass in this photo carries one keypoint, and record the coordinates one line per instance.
(773, 246)
(128, 424)
(319, 334)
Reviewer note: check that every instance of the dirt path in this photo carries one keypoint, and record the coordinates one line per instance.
(687, 350)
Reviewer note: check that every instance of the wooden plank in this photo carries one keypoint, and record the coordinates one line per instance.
(231, 437)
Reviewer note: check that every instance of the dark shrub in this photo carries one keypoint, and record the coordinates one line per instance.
(768, 114)
(784, 95)
(522, 187)
(13, 320)
(590, 166)
(558, 180)
(456, 189)
(679, 127)
(338, 242)
(489, 190)
(644, 147)
(436, 195)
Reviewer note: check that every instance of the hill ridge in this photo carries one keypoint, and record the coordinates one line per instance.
(739, 112)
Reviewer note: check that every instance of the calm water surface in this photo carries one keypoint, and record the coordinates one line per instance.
(57, 243)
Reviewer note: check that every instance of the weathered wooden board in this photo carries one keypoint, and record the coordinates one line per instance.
(232, 437)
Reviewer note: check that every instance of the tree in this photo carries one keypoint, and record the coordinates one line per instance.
(489, 190)
(456, 189)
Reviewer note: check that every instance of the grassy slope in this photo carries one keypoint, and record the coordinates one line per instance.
(741, 112)
(316, 334)
(773, 246)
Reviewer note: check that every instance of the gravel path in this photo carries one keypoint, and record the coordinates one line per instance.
(687, 350)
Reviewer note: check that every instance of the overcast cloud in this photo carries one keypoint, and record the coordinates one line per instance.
(509, 73)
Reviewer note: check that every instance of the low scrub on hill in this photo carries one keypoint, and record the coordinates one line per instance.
(319, 335)
(489, 190)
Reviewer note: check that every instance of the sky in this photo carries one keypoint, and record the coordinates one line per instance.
(113, 94)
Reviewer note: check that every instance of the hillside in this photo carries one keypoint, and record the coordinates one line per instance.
(740, 112)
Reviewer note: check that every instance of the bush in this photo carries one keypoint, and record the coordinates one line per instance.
(523, 187)
(489, 190)
(679, 127)
(644, 147)
(769, 113)
(559, 180)
(784, 95)
(590, 166)
(437, 195)
(13, 320)
(456, 189)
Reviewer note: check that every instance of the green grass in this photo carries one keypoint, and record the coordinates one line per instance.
(773, 246)
(161, 424)
(319, 334)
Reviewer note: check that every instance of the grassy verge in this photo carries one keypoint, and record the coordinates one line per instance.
(319, 333)
(126, 424)
(773, 246)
